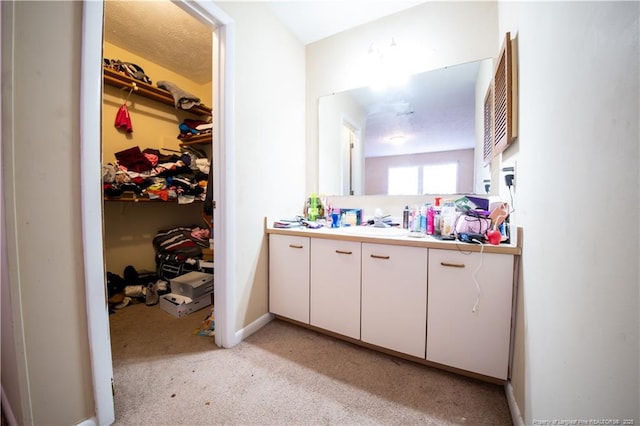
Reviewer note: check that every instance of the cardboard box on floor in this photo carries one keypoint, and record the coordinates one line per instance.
(192, 284)
(180, 306)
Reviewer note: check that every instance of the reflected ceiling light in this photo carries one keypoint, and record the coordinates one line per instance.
(398, 139)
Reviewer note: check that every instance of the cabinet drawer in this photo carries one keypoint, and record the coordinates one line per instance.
(289, 277)
(335, 286)
(469, 311)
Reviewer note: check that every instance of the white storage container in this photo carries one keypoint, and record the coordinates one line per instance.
(180, 306)
(192, 284)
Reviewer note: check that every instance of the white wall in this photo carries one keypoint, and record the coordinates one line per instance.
(435, 34)
(41, 175)
(577, 197)
(269, 143)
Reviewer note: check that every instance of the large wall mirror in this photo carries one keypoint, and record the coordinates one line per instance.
(417, 138)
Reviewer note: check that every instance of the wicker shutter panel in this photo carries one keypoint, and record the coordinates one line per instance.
(487, 153)
(503, 100)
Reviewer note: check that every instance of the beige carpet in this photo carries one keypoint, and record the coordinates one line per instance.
(281, 375)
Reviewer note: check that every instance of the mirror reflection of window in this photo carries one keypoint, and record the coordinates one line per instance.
(440, 179)
(403, 181)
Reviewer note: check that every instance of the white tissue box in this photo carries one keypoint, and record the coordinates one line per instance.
(180, 306)
(192, 284)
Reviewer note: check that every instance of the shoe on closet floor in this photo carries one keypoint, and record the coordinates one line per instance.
(125, 302)
(152, 297)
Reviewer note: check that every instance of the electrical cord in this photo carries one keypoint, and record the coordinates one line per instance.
(513, 208)
(475, 279)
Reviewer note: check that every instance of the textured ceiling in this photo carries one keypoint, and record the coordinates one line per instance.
(163, 33)
(168, 36)
(312, 20)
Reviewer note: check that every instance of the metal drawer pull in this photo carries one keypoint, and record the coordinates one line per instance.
(343, 252)
(453, 265)
(294, 246)
(377, 256)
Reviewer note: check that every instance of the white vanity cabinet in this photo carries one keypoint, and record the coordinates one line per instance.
(458, 335)
(335, 286)
(289, 276)
(443, 304)
(394, 297)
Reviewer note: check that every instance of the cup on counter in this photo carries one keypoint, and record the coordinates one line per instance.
(335, 219)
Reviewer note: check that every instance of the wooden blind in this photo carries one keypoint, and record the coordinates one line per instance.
(503, 99)
(488, 125)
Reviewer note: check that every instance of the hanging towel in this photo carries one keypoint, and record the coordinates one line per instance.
(182, 99)
(123, 120)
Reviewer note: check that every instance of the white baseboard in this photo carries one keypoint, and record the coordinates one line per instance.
(253, 327)
(89, 422)
(516, 417)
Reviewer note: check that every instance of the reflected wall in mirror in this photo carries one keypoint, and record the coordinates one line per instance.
(420, 138)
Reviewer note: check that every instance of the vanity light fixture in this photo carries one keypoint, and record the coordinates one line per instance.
(387, 65)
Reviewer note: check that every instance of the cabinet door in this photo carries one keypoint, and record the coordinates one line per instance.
(394, 297)
(289, 277)
(457, 334)
(335, 286)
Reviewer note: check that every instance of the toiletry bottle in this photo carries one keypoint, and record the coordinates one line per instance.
(423, 219)
(411, 215)
(335, 217)
(307, 205)
(437, 219)
(313, 208)
(430, 219)
(405, 217)
(448, 218)
(322, 202)
(416, 219)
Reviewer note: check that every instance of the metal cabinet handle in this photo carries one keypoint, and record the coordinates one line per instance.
(343, 252)
(453, 265)
(295, 246)
(377, 256)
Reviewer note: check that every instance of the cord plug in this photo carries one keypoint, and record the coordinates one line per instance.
(508, 179)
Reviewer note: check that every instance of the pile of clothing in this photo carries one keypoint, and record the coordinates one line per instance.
(127, 68)
(149, 172)
(189, 128)
(179, 250)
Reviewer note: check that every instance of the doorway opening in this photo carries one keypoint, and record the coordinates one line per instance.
(222, 34)
(351, 182)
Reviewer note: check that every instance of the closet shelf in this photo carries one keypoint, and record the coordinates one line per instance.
(196, 140)
(132, 197)
(121, 81)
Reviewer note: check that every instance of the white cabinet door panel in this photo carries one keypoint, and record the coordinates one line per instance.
(394, 294)
(335, 286)
(456, 335)
(289, 276)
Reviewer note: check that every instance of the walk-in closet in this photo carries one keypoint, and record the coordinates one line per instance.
(157, 168)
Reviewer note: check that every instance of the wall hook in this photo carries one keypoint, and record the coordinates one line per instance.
(134, 88)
